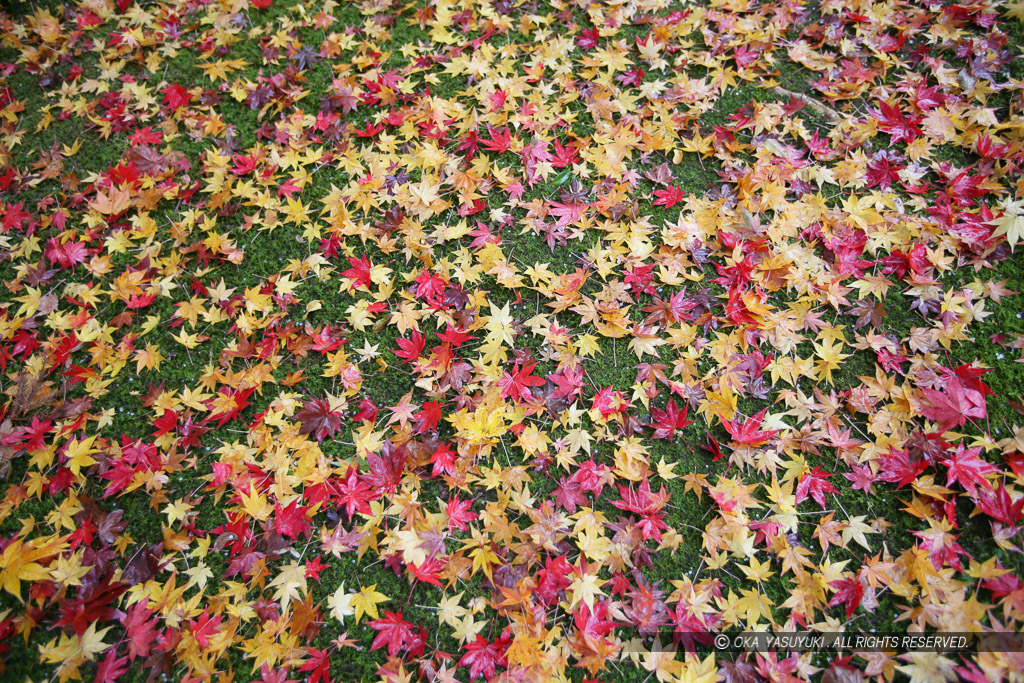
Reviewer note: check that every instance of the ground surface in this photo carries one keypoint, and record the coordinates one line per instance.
(441, 341)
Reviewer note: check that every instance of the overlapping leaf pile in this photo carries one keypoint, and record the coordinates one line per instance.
(507, 340)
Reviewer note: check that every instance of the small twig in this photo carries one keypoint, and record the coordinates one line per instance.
(817, 105)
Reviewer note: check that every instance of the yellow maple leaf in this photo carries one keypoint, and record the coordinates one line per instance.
(366, 601)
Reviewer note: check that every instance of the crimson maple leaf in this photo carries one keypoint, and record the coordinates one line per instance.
(398, 634)
(92, 605)
(454, 336)
(411, 348)
(966, 468)
(849, 593)
(459, 513)
(429, 571)
(111, 668)
(1000, 506)
(443, 460)
(318, 419)
(426, 419)
(646, 609)
(594, 625)
(552, 580)
(318, 666)
(327, 339)
(667, 421)
(430, 287)
(140, 627)
(240, 400)
(588, 39)
(290, 521)
(569, 493)
(66, 255)
(176, 97)
(386, 469)
(895, 467)
(501, 142)
(359, 273)
(749, 432)
(814, 483)
(205, 627)
(564, 156)
(354, 492)
(268, 675)
(484, 656)
(648, 505)
(569, 382)
(517, 383)
(669, 197)
(900, 127)
(964, 398)
(165, 424)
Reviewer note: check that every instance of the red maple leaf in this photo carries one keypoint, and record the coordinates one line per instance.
(567, 213)
(647, 504)
(443, 460)
(318, 419)
(569, 493)
(111, 668)
(454, 336)
(713, 448)
(91, 607)
(411, 348)
(359, 273)
(398, 634)
(963, 398)
(814, 483)
(327, 339)
(314, 568)
(386, 469)
(166, 423)
(669, 197)
(588, 39)
(645, 608)
(67, 255)
(750, 431)
(1000, 506)
(966, 468)
(564, 156)
(318, 666)
(290, 521)
(429, 571)
(517, 383)
(849, 593)
(608, 402)
(240, 399)
(205, 627)
(667, 421)
(459, 513)
(141, 630)
(426, 419)
(569, 382)
(354, 492)
(895, 467)
(430, 287)
(594, 625)
(484, 656)
(268, 675)
(552, 580)
(501, 140)
(176, 97)
(900, 127)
